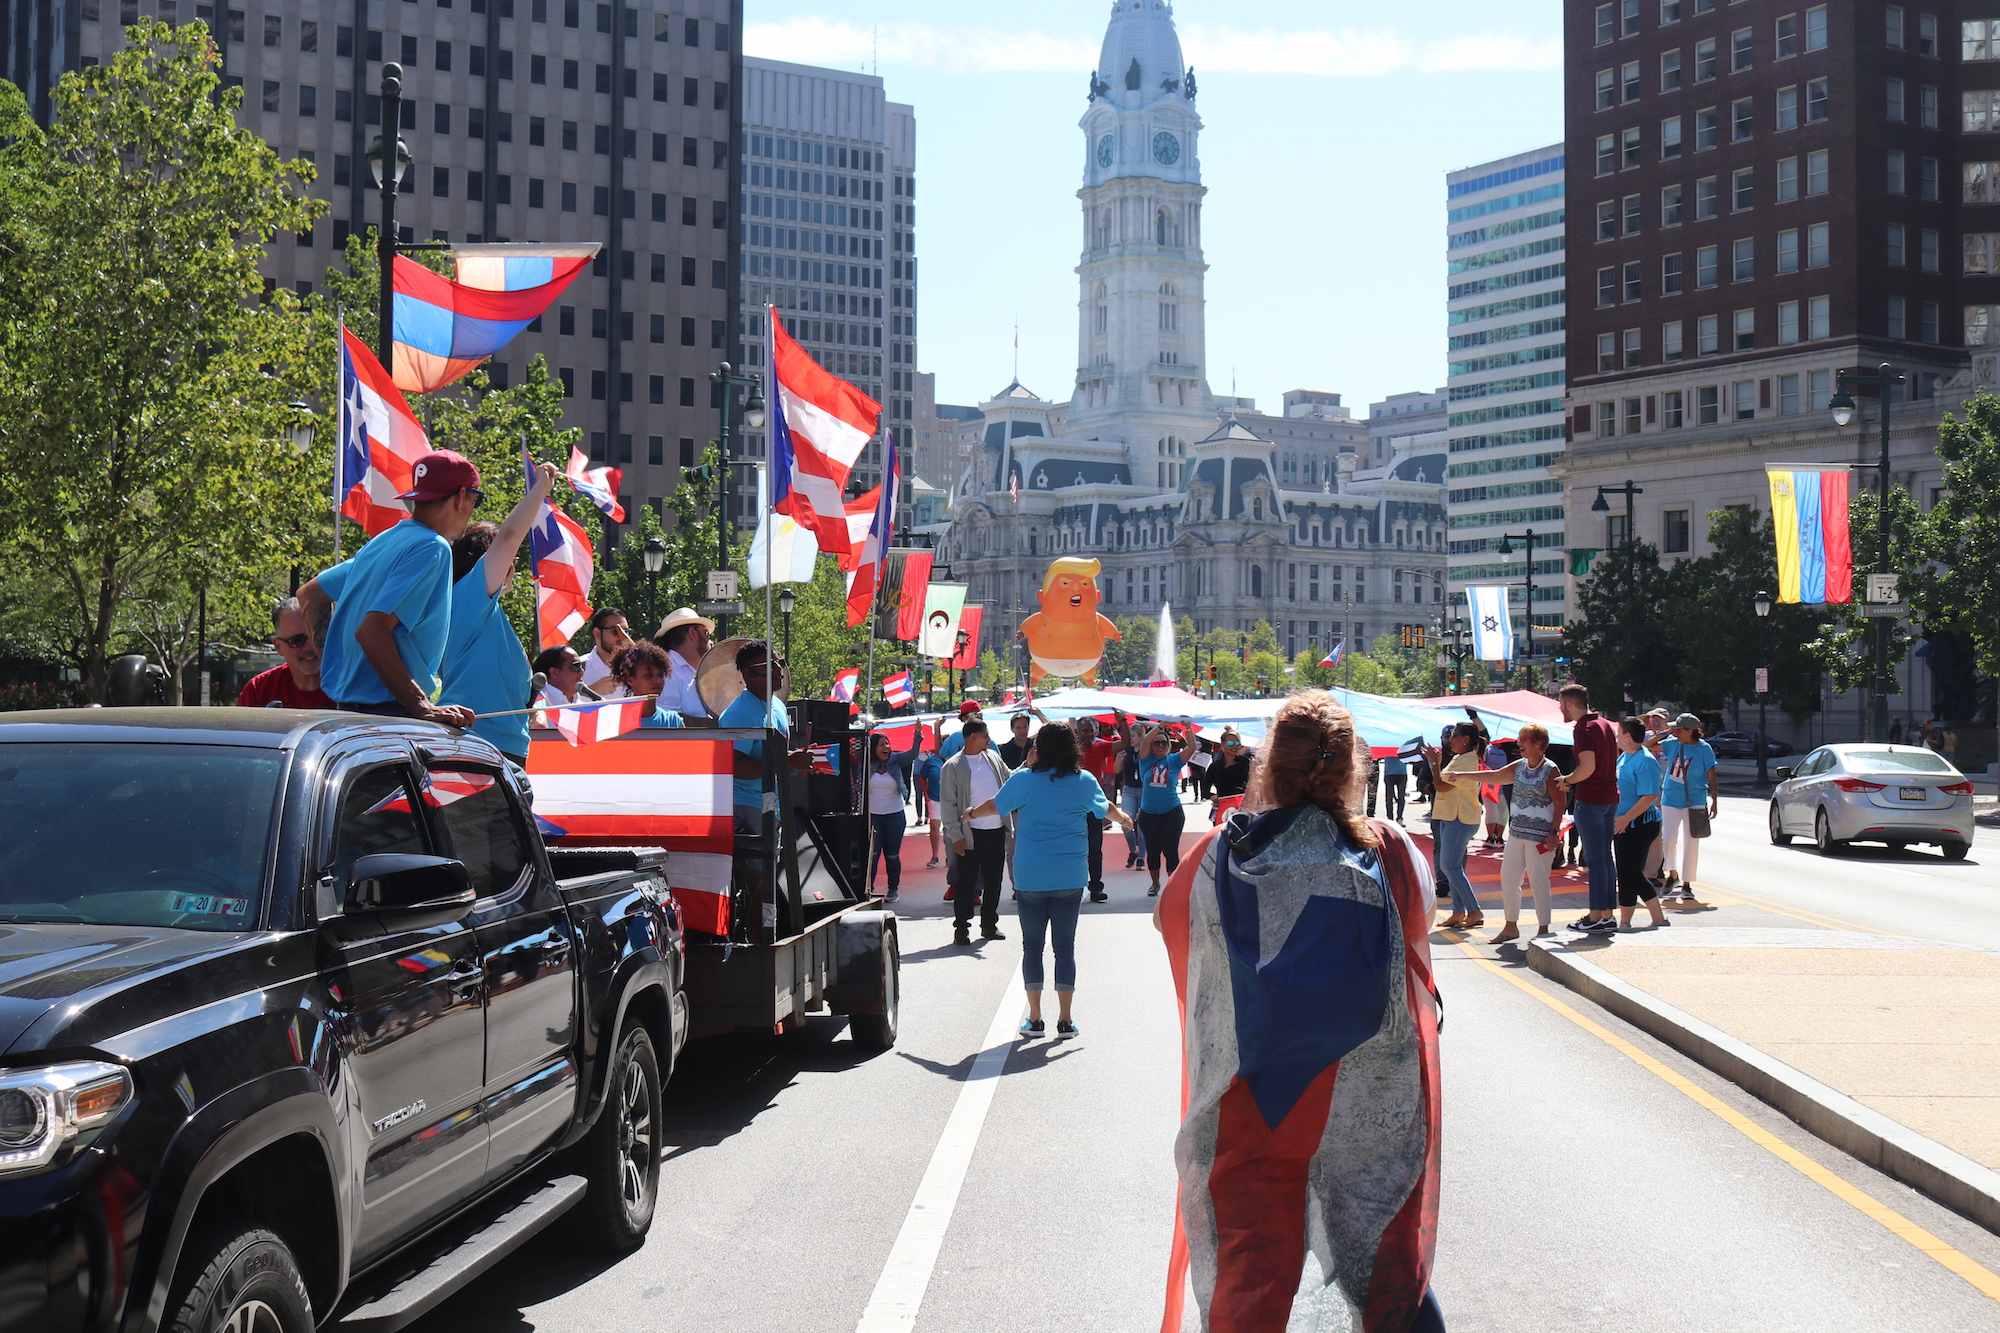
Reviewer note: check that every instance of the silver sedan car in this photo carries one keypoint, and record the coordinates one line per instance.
(1863, 792)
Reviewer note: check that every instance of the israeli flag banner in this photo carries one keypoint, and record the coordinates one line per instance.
(1492, 627)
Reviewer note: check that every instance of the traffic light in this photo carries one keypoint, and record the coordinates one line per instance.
(702, 478)
(1211, 673)
(1404, 633)
(1419, 631)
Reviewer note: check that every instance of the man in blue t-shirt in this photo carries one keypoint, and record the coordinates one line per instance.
(387, 612)
(485, 667)
(757, 706)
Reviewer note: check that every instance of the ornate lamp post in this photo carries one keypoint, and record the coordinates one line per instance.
(1598, 506)
(656, 559)
(1506, 548)
(1843, 409)
(388, 165)
(753, 418)
(1763, 605)
(787, 600)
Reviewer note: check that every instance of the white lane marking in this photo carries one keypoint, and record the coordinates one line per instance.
(892, 1308)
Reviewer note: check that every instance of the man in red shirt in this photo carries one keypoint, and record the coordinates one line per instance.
(1594, 785)
(1097, 757)
(294, 683)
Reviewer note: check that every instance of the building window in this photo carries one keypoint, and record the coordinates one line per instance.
(1628, 18)
(1632, 156)
(1816, 28)
(1632, 349)
(1927, 322)
(1816, 172)
(1819, 389)
(1706, 266)
(1788, 179)
(1607, 154)
(1897, 257)
(1670, 206)
(1788, 322)
(1819, 243)
(1745, 330)
(1707, 405)
(1628, 82)
(1634, 284)
(1743, 189)
(1892, 25)
(1927, 107)
(1705, 123)
(1670, 275)
(1896, 178)
(1633, 211)
(1816, 106)
(1982, 324)
(1607, 220)
(1742, 260)
(1788, 395)
(1927, 178)
(1607, 89)
(1674, 533)
(1746, 399)
(1632, 416)
(1742, 118)
(1706, 195)
(1607, 287)
(1672, 414)
(1787, 117)
(1670, 71)
(1982, 182)
(1980, 111)
(1893, 100)
(1670, 340)
(1607, 419)
(1896, 322)
(1819, 317)
(1670, 138)
(1607, 24)
(1787, 34)
(1927, 35)
(1740, 50)
(1607, 352)
(1704, 60)
(1788, 251)
(1707, 338)
(1982, 252)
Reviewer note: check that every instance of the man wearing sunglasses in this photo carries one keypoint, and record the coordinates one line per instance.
(294, 682)
(391, 604)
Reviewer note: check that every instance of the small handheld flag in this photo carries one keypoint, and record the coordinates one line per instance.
(1809, 519)
(896, 689)
(1412, 748)
(582, 726)
(844, 685)
(598, 484)
(1332, 659)
(563, 564)
(826, 759)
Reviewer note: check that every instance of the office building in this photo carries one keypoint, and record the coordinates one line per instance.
(526, 120)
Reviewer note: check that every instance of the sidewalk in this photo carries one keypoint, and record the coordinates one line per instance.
(1885, 1046)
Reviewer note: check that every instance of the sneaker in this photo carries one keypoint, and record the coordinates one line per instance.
(933, 864)
(962, 938)
(1153, 892)
(994, 934)
(892, 898)
(1100, 896)
(1663, 922)
(1066, 1027)
(1032, 1027)
(1604, 927)
(948, 893)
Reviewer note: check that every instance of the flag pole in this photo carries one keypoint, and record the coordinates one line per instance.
(339, 416)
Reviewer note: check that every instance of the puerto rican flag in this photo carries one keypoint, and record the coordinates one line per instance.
(819, 426)
(564, 563)
(654, 789)
(865, 573)
(896, 689)
(1333, 656)
(826, 759)
(583, 726)
(380, 441)
(599, 484)
(844, 685)
(437, 790)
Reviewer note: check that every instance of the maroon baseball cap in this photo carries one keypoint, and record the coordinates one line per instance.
(441, 473)
(969, 706)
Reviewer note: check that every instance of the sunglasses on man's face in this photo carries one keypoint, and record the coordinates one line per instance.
(478, 496)
(293, 640)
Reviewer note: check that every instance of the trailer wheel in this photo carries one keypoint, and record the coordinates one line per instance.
(877, 1032)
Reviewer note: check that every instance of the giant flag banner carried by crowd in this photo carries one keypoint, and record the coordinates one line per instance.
(1809, 519)
(444, 329)
(380, 441)
(819, 424)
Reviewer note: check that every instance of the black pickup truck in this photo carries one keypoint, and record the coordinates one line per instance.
(301, 1022)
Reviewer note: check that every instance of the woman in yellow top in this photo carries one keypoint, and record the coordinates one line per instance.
(1456, 814)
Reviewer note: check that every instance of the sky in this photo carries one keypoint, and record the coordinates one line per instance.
(1327, 132)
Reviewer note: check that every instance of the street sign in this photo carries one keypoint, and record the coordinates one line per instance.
(722, 585)
(1763, 680)
(1885, 610)
(1884, 587)
(723, 608)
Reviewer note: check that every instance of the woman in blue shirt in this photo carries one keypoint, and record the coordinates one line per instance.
(1636, 823)
(1053, 802)
(1690, 762)
(1161, 817)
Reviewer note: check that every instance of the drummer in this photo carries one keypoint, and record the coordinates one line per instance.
(686, 637)
(758, 706)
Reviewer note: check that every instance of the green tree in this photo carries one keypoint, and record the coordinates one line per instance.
(1710, 609)
(1130, 659)
(146, 372)
(1621, 637)
(993, 674)
(1953, 588)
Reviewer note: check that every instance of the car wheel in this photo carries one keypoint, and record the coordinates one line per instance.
(1823, 836)
(1957, 851)
(877, 1032)
(621, 1155)
(239, 1279)
(1779, 838)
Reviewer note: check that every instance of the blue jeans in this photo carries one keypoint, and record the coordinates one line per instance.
(888, 847)
(1049, 913)
(1593, 823)
(1452, 839)
(1128, 801)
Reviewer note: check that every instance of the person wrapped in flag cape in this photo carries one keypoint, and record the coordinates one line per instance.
(1308, 1151)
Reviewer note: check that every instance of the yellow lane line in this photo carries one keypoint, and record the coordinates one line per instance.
(1981, 1278)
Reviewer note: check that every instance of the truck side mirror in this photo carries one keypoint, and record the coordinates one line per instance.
(402, 882)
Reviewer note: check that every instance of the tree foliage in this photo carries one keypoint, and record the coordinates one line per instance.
(146, 374)
(1956, 590)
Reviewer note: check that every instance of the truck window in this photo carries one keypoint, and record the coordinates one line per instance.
(480, 826)
(375, 816)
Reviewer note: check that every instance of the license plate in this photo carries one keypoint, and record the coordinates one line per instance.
(1916, 793)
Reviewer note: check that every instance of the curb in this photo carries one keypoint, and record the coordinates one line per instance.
(1954, 1180)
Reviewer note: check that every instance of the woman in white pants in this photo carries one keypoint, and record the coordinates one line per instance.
(1531, 830)
(1689, 783)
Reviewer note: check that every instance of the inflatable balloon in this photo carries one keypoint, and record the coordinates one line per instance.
(1066, 637)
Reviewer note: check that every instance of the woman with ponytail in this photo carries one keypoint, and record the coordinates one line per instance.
(1299, 942)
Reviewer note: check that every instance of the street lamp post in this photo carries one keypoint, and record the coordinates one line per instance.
(753, 417)
(388, 159)
(656, 559)
(1506, 548)
(1598, 506)
(1763, 605)
(1842, 406)
(786, 601)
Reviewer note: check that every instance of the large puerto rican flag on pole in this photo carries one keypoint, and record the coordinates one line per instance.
(643, 790)
(380, 441)
(819, 426)
(865, 573)
(564, 563)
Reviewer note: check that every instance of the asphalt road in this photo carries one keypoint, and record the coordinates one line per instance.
(1593, 1179)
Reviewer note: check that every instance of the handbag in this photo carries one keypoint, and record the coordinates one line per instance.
(1698, 825)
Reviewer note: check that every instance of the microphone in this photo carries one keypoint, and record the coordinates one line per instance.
(536, 684)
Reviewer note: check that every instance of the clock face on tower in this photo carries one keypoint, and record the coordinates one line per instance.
(1104, 151)
(1166, 148)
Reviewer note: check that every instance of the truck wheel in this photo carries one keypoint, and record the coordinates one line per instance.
(621, 1155)
(245, 1281)
(877, 1032)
